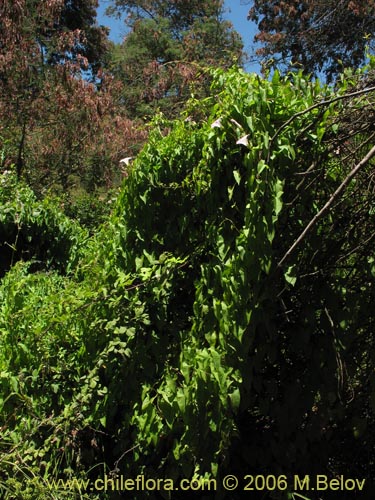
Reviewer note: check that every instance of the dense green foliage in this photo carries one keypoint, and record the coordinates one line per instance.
(35, 231)
(186, 340)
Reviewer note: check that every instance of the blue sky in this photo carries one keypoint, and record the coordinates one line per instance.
(235, 11)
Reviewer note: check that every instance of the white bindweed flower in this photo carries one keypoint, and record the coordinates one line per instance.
(126, 160)
(216, 123)
(244, 140)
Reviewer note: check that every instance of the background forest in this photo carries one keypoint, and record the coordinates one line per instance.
(203, 306)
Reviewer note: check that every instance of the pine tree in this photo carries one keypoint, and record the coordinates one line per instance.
(162, 59)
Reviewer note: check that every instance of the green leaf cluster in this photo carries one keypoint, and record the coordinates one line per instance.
(177, 345)
(35, 231)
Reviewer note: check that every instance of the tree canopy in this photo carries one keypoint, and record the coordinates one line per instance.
(59, 110)
(162, 59)
(51, 32)
(317, 36)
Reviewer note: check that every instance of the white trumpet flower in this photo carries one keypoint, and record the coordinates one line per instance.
(243, 140)
(216, 123)
(126, 160)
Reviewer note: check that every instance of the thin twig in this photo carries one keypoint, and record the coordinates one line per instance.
(122, 456)
(327, 206)
(358, 247)
(317, 105)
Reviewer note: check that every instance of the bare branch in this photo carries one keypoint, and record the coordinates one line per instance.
(317, 105)
(327, 206)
